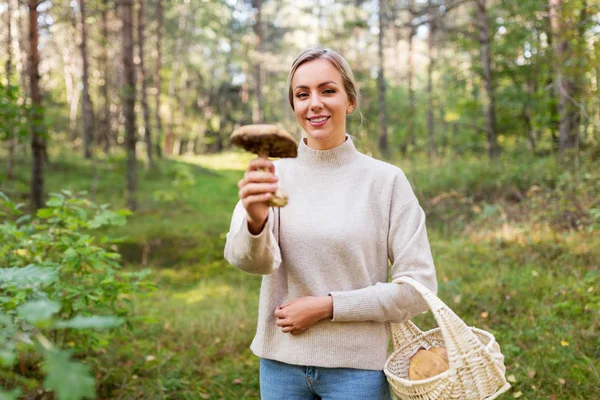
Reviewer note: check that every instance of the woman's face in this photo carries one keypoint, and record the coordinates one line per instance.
(321, 103)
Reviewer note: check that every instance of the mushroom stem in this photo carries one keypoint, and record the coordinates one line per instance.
(280, 197)
(263, 153)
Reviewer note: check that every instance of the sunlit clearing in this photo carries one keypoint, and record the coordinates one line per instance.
(515, 234)
(203, 292)
(224, 161)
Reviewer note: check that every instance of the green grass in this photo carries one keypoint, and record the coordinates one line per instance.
(505, 264)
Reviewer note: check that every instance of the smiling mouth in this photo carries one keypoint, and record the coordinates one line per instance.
(318, 120)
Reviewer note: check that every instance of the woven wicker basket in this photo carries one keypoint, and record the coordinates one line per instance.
(476, 364)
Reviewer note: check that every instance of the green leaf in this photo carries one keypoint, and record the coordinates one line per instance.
(70, 380)
(38, 311)
(93, 322)
(45, 212)
(12, 395)
(7, 359)
(22, 219)
(27, 277)
(54, 202)
(6, 326)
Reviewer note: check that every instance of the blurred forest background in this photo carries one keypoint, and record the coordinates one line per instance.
(117, 179)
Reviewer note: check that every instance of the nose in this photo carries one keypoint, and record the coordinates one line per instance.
(315, 102)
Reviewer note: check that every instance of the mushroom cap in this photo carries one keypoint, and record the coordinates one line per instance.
(264, 138)
(425, 364)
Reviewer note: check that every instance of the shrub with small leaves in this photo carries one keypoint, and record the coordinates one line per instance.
(60, 284)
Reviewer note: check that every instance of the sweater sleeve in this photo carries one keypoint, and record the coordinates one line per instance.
(255, 254)
(410, 255)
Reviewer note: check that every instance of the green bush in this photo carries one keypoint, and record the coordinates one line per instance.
(59, 285)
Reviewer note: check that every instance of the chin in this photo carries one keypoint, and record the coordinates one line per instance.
(319, 134)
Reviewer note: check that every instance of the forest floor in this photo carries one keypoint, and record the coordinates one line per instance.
(515, 245)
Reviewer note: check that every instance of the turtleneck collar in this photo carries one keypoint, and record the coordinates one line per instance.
(330, 159)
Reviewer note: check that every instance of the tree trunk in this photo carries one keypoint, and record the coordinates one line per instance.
(489, 103)
(410, 137)
(168, 147)
(144, 88)
(383, 138)
(564, 85)
(9, 67)
(22, 51)
(73, 93)
(88, 109)
(38, 144)
(553, 103)
(597, 58)
(129, 102)
(444, 126)
(181, 106)
(430, 120)
(530, 133)
(104, 87)
(258, 107)
(158, 57)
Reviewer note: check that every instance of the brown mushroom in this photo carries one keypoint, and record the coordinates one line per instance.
(425, 364)
(442, 352)
(267, 141)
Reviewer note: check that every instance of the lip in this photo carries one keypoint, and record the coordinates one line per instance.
(317, 124)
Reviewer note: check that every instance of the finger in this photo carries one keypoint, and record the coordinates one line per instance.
(257, 188)
(279, 313)
(259, 163)
(257, 198)
(287, 303)
(257, 177)
(283, 322)
(260, 176)
(287, 329)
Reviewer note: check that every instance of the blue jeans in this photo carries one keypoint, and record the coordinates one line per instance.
(280, 381)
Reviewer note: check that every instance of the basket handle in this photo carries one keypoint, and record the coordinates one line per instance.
(458, 337)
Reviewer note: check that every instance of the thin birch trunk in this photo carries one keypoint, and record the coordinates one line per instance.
(410, 137)
(383, 138)
(489, 103)
(175, 74)
(88, 109)
(38, 144)
(9, 71)
(144, 86)
(106, 131)
(564, 86)
(258, 109)
(158, 58)
(129, 102)
(430, 118)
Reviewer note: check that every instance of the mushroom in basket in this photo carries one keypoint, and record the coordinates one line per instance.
(427, 363)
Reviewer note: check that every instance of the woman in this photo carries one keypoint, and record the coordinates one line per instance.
(325, 298)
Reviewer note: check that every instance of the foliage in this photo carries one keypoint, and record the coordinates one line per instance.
(182, 179)
(59, 283)
(12, 114)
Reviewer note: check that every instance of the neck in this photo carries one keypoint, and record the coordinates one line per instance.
(329, 160)
(325, 144)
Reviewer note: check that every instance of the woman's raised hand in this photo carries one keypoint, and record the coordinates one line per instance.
(256, 189)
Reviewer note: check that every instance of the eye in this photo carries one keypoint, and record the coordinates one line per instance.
(329, 91)
(301, 95)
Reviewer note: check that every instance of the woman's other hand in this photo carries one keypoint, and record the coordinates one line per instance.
(256, 189)
(296, 316)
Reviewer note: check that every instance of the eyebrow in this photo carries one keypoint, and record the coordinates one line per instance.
(320, 84)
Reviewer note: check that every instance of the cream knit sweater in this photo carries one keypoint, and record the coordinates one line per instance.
(347, 215)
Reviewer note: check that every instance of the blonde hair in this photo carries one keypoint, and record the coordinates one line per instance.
(339, 62)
